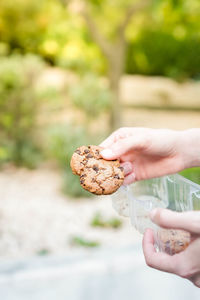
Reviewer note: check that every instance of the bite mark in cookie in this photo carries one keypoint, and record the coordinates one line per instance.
(97, 175)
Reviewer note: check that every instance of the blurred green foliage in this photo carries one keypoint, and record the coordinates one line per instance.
(19, 104)
(160, 53)
(83, 242)
(62, 142)
(165, 41)
(91, 96)
(192, 174)
(46, 28)
(43, 252)
(99, 221)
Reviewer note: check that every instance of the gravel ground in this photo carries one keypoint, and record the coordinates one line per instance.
(36, 217)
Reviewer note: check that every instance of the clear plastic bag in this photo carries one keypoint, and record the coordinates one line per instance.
(172, 192)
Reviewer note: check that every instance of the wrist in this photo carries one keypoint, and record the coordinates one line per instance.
(191, 147)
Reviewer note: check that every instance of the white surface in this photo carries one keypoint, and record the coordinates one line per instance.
(35, 215)
(106, 274)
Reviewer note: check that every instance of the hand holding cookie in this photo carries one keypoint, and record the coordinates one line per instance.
(186, 264)
(97, 175)
(153, 152)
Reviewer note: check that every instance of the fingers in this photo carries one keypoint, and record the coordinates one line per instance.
(109, 141)
(128, 167)
(196, 280)
(123, 146)
(184, 264)
(189, 221)
(128, 172)
(119, 134)
(130, 178)
(157, 260)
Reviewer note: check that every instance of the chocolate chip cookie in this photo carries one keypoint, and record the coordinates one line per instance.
(97, 175)
(173, 241)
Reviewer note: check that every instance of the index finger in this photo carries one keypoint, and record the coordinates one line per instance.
(188, 220)
(115, 136)
(108, 141)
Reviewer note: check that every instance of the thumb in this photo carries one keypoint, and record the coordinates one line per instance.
(122, 146)
(189, 221)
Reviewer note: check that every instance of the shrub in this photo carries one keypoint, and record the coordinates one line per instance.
(192, 174)
(62, 141)
(19, 104)
(99, 221)
(83, 242)
(91, 96)
(157, 52)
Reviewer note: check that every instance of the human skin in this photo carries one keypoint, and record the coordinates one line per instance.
(147, 153)
(185, 264)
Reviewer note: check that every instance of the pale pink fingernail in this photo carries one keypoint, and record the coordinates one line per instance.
(129, 179)
(107, 153)
(127, 168)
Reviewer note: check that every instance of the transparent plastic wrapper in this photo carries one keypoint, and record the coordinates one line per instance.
(172, 192)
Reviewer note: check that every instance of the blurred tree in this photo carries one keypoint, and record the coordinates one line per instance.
(168, 42)
(21, 24)
(107, 22)
(46, 27)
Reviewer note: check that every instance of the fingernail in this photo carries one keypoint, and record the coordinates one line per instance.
(107, 153)
(129, 179)
(127, 168)
(153, 213)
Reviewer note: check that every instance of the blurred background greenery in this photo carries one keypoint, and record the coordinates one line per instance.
(61, 68)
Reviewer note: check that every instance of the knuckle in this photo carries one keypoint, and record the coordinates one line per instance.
(185, 272)
(183, 266)
(121, 129)
(196, 222)
(146, 141)
(149, 262)
(159, 216)
(197, 282)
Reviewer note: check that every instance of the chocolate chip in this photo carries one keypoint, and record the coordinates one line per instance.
(95, 168)
(121, 168)
(89, 156)
(89, 147)
(180, 243)
(82, 181)
(83, 175)
(86, 151)
(167, 246)
(117, 176)
(78, 151)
